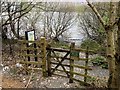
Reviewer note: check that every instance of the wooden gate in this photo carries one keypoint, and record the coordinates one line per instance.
(66, 58)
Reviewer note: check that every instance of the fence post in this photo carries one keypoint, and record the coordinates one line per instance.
(71, 63)
(49, 61)
(43, 55)
(86, 65)
(35, 52)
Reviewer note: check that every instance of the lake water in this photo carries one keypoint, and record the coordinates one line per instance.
(74, 33)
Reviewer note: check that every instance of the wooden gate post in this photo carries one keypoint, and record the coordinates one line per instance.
(49, 61)
(43, 56)
(86, 65)
(71, 63)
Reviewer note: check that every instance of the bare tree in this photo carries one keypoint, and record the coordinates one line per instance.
(56, 22)
(114, 65)
(90, 24)
(12, 13)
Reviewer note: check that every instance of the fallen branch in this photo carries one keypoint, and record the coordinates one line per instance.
(29, 79)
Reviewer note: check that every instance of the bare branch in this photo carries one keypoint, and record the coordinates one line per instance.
(6, 22)
(97, 13)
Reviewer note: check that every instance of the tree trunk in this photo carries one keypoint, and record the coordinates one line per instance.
(113, 57)
(117, 54)
(117, 64)
(111, 45)
(110, 56)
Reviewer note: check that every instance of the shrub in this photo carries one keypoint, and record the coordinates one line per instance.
(100, 61)
(105, 65)
(93, 45)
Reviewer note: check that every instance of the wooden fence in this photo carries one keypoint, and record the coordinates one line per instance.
(48, 59)
(34, 55)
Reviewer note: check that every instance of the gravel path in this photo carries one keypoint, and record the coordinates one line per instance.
(38, 81)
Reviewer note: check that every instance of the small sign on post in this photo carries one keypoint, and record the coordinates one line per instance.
(30, 36)
(75, 54)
